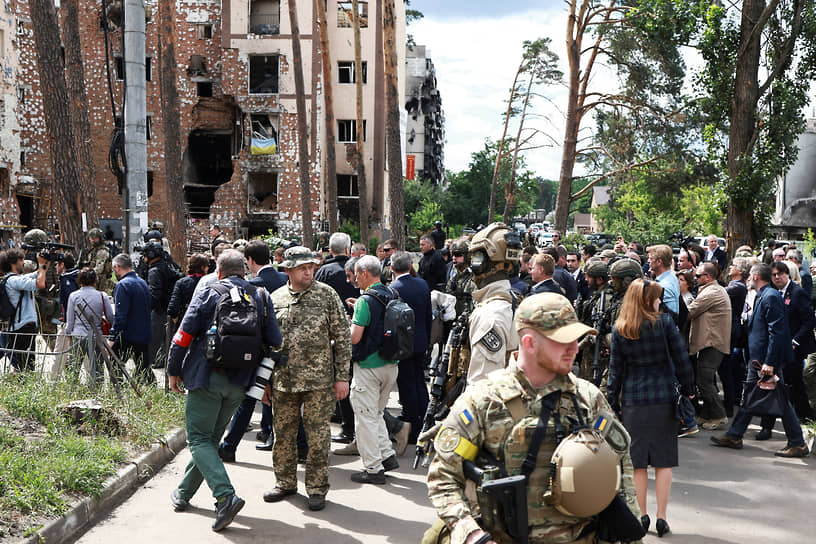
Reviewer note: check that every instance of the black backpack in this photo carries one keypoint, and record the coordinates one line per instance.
(7, 309)
(239, 327)
(398, 327)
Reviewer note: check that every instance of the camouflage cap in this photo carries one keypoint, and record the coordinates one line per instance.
(608, 254)
(553, 316)
(298, 255)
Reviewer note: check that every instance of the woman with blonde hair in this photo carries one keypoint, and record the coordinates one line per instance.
(647, 360)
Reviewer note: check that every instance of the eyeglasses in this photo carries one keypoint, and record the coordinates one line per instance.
(700, 275)
(388, 248)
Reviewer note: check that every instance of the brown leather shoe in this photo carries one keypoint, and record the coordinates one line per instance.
(725, 441)
(793, 451)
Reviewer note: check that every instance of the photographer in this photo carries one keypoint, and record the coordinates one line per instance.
(20, 289)
(48, 306)
(212, 394)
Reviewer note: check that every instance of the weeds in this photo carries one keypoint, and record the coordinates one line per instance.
(46, 462)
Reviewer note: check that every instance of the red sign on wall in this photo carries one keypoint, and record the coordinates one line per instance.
(410, 167)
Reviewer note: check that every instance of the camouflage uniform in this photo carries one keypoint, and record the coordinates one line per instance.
(100, 261)
(308, 320)
(48, 306)
(492, 336)
(586, 314)
(492, 428)
(461, 286)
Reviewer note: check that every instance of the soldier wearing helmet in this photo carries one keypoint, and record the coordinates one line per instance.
(595, 312)
(461, 283)
(492, 425)
(100, 261)
(494, 251)
(438, 235)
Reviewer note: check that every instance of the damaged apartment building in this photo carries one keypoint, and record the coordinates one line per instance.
(237, 114)
(425, 129)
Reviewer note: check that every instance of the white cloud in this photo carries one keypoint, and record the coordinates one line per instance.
(475, 61)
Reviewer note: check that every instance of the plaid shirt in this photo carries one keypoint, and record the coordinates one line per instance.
(640, 375)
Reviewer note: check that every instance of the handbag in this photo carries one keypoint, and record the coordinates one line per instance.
(763, 397)
(683, 408)
(104, 322)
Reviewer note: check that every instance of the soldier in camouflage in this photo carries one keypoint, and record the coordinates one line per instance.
(461, 284)
(100, 260)
(498, 417)
(597, 275)
(314, 376)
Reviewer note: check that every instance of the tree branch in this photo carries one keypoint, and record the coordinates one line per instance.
(595, 181)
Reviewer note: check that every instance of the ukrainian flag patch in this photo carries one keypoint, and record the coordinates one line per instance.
(465, 416)
(600, 423)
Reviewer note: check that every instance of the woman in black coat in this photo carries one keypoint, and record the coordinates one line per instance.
(642, 387)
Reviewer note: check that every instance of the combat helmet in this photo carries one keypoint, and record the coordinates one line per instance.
(459, 247)
(35, 237)
(95, 233)
(597, 269)
(625, 268)
(587, 474)
(493, 252)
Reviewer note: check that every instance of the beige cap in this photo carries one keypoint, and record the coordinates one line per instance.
(553, 316)
(298, 255)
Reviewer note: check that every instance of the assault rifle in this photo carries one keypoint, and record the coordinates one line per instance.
(506, 499)
(441, 372)
(597, 319)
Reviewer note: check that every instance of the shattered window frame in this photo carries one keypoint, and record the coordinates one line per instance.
(345, 14)
(345, 70)
(262, 191)
(263, 23)
(347, 131)
(204, 31)
(255, 82)
(264, 126)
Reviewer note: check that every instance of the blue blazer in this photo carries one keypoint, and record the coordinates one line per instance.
(270, 278)
(769, 339)
(800, 319)
(415, 293)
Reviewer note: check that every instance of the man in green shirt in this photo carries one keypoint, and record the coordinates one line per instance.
(373, 377)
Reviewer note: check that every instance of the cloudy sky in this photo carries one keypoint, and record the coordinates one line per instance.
(476, 47)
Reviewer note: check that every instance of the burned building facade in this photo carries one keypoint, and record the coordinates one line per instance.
(237, 113)
(425, 127)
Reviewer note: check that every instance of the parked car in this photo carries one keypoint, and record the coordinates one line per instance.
(535, 227)
(543, 238)
(520, 227)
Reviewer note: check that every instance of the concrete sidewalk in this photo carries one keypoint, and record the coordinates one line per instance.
(719, 496)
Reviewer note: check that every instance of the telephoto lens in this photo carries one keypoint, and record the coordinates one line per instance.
(262, 377)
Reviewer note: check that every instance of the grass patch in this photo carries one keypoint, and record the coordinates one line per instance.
(46, 461)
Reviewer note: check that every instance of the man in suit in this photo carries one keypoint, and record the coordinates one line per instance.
(265, 275)
(801, 321)
(769, 343)
(560, 274)
(333, 273)
(574, 268)
(542, 274)
(431, 265)
(413, 392)
(795, 256)
(715, 254)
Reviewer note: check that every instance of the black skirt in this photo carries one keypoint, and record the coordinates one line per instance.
(654, 435)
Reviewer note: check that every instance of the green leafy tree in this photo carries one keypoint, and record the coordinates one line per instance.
(760, 58)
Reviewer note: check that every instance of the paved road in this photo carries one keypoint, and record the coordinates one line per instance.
(719, 496)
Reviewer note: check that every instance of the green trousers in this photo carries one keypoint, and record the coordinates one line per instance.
(207, 412)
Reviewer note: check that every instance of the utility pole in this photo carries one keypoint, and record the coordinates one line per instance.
(135, 194)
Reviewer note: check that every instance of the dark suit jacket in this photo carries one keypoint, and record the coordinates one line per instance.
(800, 319)
(416, 294)
(432, 270)
(567, 283)
(769, 339)
(719, 257)
(270, 278)
(333, 273)
(547, 286)
(807, 281)
(583, 287)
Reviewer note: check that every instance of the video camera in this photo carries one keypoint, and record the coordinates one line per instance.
(680, 238)
(47, 250)
(150, 250)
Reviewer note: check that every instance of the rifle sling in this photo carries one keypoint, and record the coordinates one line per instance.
(548, 404)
